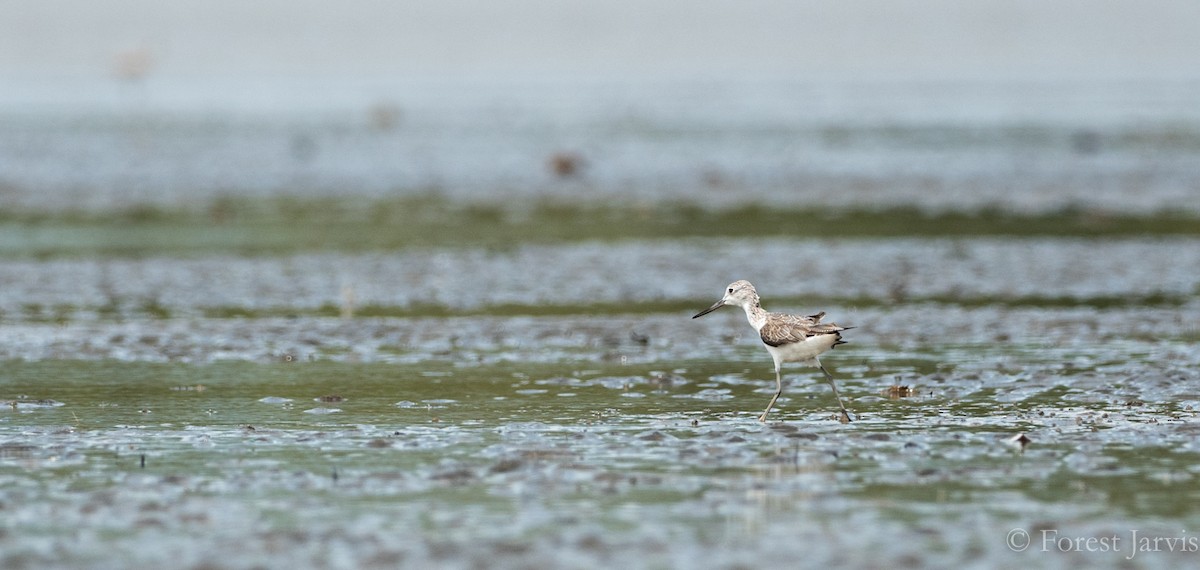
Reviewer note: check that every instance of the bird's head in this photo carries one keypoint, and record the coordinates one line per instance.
(739, 293)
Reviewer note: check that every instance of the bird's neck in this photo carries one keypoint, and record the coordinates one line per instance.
(755, 314)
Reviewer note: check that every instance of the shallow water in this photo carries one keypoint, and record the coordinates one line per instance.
(138, 431)
(852, 271)
(595, 448)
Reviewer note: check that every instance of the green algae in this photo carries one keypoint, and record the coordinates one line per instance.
(281, 226)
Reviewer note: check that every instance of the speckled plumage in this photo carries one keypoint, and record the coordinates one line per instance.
(780, 329)
(788, 338)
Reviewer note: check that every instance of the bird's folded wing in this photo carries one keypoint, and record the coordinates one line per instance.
(787, 329)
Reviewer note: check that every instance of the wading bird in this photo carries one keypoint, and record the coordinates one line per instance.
(789, 338)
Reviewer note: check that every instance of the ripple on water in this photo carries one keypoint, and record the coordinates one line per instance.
(274, 400)
(322, 411)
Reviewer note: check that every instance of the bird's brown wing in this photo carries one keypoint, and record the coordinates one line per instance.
(787, 329)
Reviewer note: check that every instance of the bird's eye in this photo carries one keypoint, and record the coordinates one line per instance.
(731, 289)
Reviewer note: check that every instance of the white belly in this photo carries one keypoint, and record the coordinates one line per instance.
(805, 351)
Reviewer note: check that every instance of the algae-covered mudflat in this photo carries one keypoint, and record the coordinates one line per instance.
(289, 225)
(562, 443)
(422, 408)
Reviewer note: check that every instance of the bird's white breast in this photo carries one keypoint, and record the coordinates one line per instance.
(802, 351)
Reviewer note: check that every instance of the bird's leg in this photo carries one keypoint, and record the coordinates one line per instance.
(829, 378)
(778, 391)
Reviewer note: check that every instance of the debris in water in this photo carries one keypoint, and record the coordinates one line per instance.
(1020, 441)
(24, 403)
(565, 164)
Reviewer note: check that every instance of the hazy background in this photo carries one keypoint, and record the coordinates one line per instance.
(942, 104)
(814, 40)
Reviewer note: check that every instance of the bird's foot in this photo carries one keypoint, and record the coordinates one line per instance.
(844, 417)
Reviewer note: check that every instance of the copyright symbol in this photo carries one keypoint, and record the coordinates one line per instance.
(1017, 540)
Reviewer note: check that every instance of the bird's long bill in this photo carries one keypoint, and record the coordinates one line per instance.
(715, 306)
